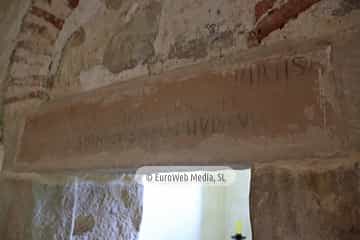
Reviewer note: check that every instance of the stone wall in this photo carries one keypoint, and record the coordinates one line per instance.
(69, 208)
(305, 199)
(314, 199)
(293, 100)
(62, 47)
(52, 49)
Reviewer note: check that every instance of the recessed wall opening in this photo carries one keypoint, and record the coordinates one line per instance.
(197, 210)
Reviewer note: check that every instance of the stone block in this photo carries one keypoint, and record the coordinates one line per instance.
(60, 207)
(309, 199)
(111, 210)
(268, 104)
(35, 209)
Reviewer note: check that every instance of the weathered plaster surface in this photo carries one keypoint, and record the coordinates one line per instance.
(99, 42)
(70, 47)
(11, 12)
(316, 21)
(186, 32)
(98, 34)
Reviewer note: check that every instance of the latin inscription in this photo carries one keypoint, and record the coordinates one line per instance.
(146, 137)
(220, 115)
(267, 98)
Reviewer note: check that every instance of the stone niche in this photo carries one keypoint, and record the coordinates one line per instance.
(281, 102)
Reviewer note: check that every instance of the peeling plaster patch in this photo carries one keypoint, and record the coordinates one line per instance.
(127, 51)
(100, 76)
(346, 7)
(203, 21)
(114, 4)
(75, 41)
(77, 38)
(86, 57)
(217, 37)
(132, 10)
(134, 44)
(81, 15)
(223, 40)
(195, 48)
(200, 47)
(112, 31)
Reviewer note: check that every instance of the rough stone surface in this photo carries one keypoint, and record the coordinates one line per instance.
(83, 224)
(108, 211)
(316, 199)
(45, 207)
(53, 211)
(15, 210)
(35, 210)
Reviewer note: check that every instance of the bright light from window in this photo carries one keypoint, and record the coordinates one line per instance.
(179, 211)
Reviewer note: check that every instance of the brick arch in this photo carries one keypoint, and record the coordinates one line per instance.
(29, 69)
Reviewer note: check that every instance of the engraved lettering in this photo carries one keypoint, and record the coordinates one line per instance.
(191, 126)
(301, 64)
(243, 119)
(251, 76)
(241, 101)
(277, 71)
(204, 123)
(286, 72)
